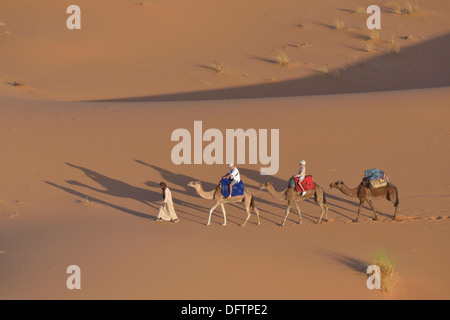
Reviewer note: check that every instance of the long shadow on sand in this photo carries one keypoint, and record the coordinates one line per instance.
(424, 65)
(119, 189)
(114, 187)
(342, 259)
(102, 202)
(178, 183)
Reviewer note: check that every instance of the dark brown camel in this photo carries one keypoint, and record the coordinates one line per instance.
(364, 194)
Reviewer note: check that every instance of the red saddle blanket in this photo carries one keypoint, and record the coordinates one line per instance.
(307, 183)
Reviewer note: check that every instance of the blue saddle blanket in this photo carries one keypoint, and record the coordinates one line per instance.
(238, 188)
(372, 174)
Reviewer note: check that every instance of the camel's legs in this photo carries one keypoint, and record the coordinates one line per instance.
(211, 211)
(247, 208)
(323, 207)
(257, 214)
(252, 206)
(373, 209)
(395, 213)
(287, 213)
(224, 215)
(324, 210)
(299, 213)
(361, 203)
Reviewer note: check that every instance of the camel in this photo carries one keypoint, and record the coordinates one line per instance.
(216, 194)
(292, 197)
(363, 193)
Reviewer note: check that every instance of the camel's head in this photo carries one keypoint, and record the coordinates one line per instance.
(336, 184)
(265, 185)
(194, 184)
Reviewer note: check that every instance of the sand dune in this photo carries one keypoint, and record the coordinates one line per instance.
(86, 119)
(420, 66)
(125, 49)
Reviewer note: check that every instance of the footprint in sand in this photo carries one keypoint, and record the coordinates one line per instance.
(436, 218)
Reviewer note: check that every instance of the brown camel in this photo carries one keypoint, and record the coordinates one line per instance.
(216, 194)
(293, 197)
(363, 193)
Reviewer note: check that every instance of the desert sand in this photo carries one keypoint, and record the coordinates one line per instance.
(86, 118)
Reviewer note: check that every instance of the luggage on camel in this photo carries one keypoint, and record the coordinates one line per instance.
(375, 178)
(307, 183)
(238, 188)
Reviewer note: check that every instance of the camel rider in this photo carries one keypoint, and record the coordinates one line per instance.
(301, 175)
(233, 175)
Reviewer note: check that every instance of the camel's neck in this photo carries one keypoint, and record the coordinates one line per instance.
(347, 191)
(276, 194)
(205, 194)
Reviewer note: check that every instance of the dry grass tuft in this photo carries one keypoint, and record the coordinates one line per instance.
(387, 269)
(359, 10)
(392, 39)
(397, 9)
(369, 46)
(409, 8)
(337, 76)
(83, 202)
(324, 70)
(282, 59)
(217, 67)
(374, 35)
(339, 25)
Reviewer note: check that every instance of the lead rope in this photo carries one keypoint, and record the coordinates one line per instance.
(184, 201)
(253, 193)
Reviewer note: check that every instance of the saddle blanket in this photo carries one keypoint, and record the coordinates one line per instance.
(307, 183)
(377, 183)
(238, 188)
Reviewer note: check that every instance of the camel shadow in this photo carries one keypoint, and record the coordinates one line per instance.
(102, 202)
(120, 189)
(115, 188)
(178, 183)
(180, 180)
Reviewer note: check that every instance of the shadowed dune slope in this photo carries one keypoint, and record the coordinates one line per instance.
(425, 65)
